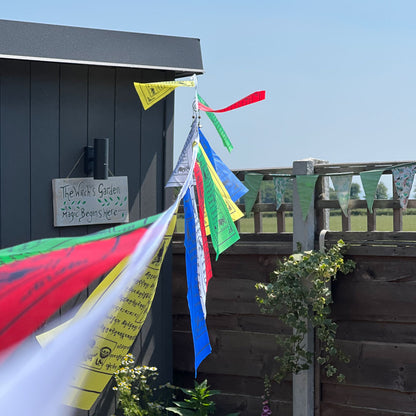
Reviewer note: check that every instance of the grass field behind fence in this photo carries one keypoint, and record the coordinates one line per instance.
(358, 223)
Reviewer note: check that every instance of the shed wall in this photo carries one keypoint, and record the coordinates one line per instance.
(48, 113)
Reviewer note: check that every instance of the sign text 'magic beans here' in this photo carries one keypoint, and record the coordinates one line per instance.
(87, 201)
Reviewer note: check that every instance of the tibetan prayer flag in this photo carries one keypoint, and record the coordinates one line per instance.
(253, 182)
(202, 346)
(201, 213)
(233, 210)
(250, 99)
(223, 230)
(225, 140)
(34, 288)
(117, 332)
(234, 187)
(342, 186)
(152, 92)
(280, 185)
(370, 181)
(403, 177)
(184, 164)
(305, 185)
(46, 245)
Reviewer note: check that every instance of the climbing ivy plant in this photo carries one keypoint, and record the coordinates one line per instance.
(300, 294)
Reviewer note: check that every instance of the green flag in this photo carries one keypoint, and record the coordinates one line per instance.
(342, 186)
(305, 185)
(225, 140)
(370, 181)
(223, 230)
(253, 182)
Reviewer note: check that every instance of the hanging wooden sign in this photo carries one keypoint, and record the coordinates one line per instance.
(87, 201)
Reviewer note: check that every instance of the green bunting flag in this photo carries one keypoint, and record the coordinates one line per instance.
(223, 230)
(252, 181)
(370, 181)
(225, 140)
(305, 185)
(342, 186)
(280, 184)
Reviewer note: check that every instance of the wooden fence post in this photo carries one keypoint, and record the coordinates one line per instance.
(304, 233)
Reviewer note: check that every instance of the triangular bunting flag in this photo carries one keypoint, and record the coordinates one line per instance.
(305, 185)
(152, 92)
(280, 184)
(342, 186)
(180, 173)
(235, 187)
(370, 181)
(253, 183)
(403, 180)
(225, 140)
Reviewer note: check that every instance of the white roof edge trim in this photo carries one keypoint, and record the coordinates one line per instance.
(99, 63)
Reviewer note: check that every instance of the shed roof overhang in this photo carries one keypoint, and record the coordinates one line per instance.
(67, 44)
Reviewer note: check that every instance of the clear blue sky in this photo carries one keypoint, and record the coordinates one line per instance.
(339, 75)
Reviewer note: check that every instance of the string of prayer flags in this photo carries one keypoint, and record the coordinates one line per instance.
(201, 212)
(225, 139)
(253, 182)
(342, 186)
(117, 332)
(184, 164)
(403, 177)
(34, 288)
(202, 346)
(280, 185)
(222, 228)
(152, 92)
(305, 185)
(370, 180)
(234, 187)
(250, 99)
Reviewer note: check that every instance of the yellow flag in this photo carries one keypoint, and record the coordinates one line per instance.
(234, 211)
(117, 333)
(151, 93)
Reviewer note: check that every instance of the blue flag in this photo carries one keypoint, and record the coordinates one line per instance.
(234, 187)
(202, 346)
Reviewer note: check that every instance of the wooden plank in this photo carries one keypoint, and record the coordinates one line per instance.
(73, 131)
(127, 135)
(346, 395)
(383, 365)
(337, 410)
(281, 223)
(44, 133)
(101, 99)
(346, 221)
(371, 220)
(14, 152)
(383, 301)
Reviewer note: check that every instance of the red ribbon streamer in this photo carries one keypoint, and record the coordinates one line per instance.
(250, 99)
(200, 191)
(34, 288)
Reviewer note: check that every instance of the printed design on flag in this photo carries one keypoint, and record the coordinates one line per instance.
(342, 186)
(152, 92)
(280, 185)
(403, 177)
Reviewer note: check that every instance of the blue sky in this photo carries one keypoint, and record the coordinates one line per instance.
(339, 75)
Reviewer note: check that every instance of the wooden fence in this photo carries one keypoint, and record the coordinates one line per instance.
(374, 308)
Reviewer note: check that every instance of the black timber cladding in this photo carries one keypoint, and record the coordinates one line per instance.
(50, 110)
(44, 42)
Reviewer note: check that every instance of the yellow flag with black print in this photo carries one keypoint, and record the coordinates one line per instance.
(152, 92)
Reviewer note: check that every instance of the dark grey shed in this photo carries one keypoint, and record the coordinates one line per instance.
(61, 87)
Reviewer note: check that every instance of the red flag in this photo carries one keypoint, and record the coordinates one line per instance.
(201, 213)
(34, 288)
(250, 99)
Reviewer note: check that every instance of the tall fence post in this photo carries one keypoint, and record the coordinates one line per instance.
(304, 234)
